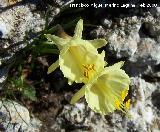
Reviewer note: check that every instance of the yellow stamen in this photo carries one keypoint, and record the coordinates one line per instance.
(127, 104)
(117, 104)
(88, 69)
(86, 73)
(124, 94)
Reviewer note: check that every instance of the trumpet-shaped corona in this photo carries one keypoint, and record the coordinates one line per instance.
(79, 59)
(106, 92)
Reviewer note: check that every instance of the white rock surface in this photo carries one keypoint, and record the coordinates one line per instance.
(15, 21)
(144, 115)
(17, 118)
(124, 45)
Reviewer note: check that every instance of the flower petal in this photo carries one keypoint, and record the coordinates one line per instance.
(78, 95)
(115, 73)
(116, 79)
(70, 63)
(53, 67)
(100, 98)
(77, 54)
(70, 82)
(108, 87)
(98, 43)
(118, 65)
(78, 29)
(60, 42)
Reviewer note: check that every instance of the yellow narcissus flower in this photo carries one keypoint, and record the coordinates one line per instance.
(79, 59)
(106, 92)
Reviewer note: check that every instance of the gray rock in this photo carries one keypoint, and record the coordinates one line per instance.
(15, 117)
(98, 33)
(158, 39)
(123, 42)
(20, 19)
(3, 75)
(148, 50)
(136, 39)
(107, 23)
(143, 113)
(145, 58)
(122, 38)
(15, 21)
(156, 11)
(79, 118)
(147, 29)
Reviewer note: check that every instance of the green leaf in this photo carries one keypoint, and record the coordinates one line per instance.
(29, 92)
